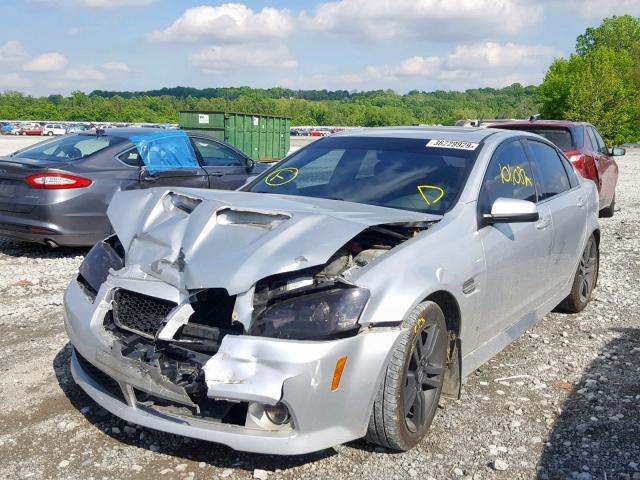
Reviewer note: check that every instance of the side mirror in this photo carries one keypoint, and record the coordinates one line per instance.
(250, 164)
(618, 151)
(511, 210)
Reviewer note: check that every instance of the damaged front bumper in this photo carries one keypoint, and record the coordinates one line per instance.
(246, 372)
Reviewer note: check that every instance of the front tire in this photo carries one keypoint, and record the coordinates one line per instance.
(410, 391)
(585, 279)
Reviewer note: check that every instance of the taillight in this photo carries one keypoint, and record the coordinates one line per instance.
(57, 181)
(573, 156)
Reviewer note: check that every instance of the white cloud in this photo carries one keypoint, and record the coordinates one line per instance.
(221, 58)
(12, 52)
(226, 22)
(438, 20)
(416, 66)
(495, 55)
(12, 80)
(74, 30)
(83, 74)
(47, 62)
(467, 66)
(116, 66)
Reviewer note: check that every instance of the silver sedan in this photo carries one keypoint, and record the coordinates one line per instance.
(338, 295)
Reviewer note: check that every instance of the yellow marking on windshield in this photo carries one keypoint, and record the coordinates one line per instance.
(426, 189)
(514, 176)
(282, 176)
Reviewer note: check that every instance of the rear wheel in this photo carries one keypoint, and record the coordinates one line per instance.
(408, 396)
(608, 212)
(50, 134)
(585, 279)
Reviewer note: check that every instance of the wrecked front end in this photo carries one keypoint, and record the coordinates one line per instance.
(276, 365)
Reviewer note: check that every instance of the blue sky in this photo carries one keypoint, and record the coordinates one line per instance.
(57, 46)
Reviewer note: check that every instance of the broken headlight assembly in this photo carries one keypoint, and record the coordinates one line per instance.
(94, 269)
(317, 316)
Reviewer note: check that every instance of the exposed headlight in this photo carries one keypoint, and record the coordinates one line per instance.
(95, 267)
(326, 314)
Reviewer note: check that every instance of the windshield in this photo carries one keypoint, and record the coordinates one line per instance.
(400, 173)
(74, 147)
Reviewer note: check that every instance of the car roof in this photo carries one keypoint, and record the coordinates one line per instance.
(540, 123)
(465, 134)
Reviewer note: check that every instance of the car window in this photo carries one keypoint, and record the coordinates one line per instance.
(215, 154)
(404, 173)
(508, 176)
(600, 142)
(577, 133)
(131, 158)
(592, 139)
(73, 147)
(561, 137)
(550, 173)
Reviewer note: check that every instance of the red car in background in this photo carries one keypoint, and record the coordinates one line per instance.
(585, 148)
(34, 129)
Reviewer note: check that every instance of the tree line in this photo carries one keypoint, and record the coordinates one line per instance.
(600, 83)
(369, 109)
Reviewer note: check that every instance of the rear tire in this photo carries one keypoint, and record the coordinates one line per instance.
(585, 279)
(608, 212)
(410, 391)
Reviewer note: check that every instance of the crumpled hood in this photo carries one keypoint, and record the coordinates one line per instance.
(193, 238)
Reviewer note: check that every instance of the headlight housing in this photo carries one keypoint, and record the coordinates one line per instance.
(95, 267)
(316, 316)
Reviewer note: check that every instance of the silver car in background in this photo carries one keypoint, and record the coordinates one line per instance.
(337, 295)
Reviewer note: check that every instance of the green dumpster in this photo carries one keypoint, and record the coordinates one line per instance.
(262, 137)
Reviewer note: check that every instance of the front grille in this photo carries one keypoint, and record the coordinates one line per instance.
(140, 313)
(107, 384)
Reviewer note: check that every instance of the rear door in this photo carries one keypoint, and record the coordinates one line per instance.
(559, 190)
(516, 254)
(607, 168)
(226, 168)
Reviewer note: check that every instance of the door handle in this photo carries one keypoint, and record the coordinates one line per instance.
(149, 178)
(544, 223)
(580, 202)
(215, 174)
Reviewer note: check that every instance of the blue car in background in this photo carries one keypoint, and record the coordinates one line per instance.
(8, 129)
(57, 192)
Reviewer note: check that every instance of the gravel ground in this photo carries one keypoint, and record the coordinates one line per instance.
(561, 402)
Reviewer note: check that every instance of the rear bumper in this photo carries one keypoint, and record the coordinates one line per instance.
(57, 222)
(246, 369)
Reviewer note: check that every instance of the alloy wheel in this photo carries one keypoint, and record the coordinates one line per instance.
(424, 376)
(587, 270)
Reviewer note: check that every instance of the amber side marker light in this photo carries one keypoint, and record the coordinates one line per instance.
(337, 373)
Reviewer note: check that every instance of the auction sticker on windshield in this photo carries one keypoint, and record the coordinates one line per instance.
(452, 144)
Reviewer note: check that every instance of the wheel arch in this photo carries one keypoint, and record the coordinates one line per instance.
(453, 319)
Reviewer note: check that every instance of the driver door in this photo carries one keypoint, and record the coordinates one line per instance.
(516, 254)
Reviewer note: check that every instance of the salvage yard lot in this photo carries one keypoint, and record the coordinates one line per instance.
(561, 402)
